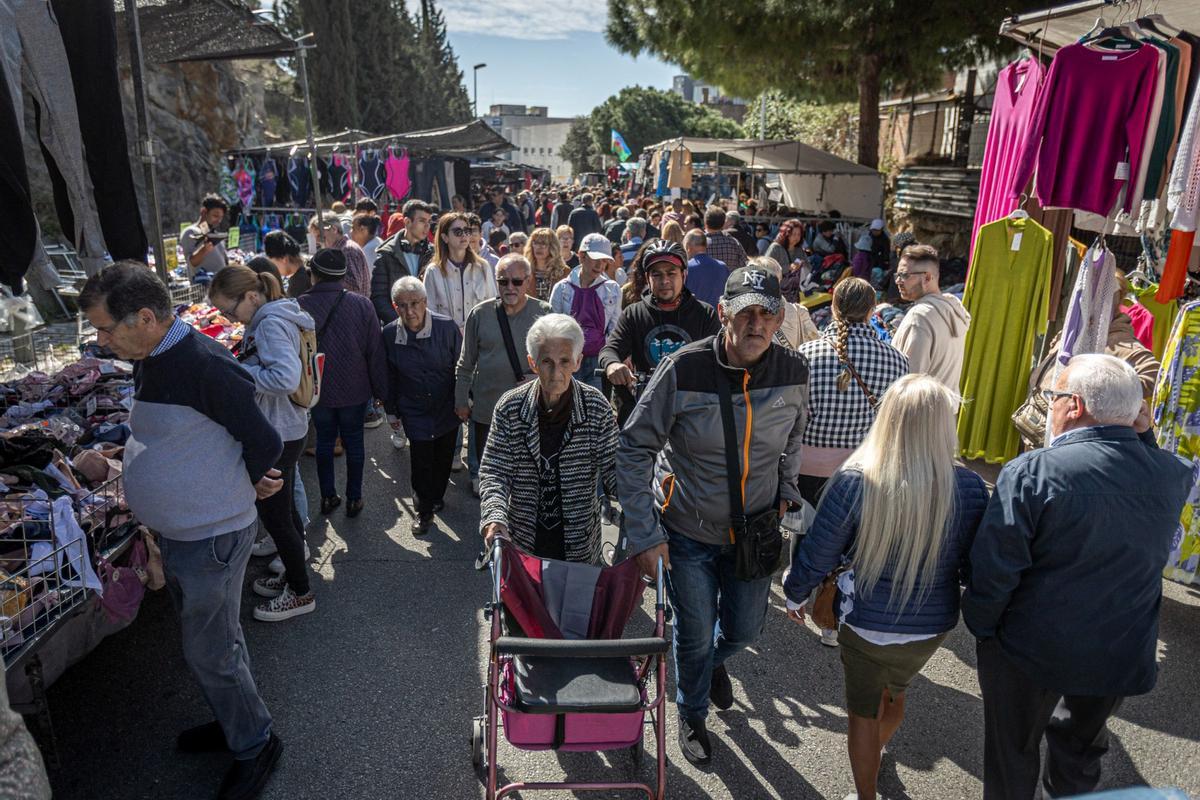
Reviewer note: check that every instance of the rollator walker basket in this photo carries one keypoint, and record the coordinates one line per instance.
(554, 692)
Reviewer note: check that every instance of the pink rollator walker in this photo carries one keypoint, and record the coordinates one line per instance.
(559, 693)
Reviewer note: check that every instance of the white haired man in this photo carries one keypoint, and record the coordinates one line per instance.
(1066, 581)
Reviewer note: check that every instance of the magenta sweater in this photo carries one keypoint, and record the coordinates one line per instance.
(1095, 104)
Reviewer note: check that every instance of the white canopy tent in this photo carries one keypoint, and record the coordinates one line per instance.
(812, 180)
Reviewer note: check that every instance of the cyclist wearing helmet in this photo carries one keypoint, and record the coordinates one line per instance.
(666, 318)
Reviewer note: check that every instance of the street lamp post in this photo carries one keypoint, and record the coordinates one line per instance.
(475, 96)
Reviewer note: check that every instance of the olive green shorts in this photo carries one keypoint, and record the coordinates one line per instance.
(871, 668)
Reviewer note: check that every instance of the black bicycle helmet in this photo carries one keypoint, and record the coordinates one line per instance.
(661, 250)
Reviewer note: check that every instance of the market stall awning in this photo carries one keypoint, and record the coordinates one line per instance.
(811, 179)
(206, 30)
(1064, 24)
(768, 155)
(472, 138)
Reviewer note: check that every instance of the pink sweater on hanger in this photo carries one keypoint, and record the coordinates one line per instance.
(1017, 88)
(1094, 107)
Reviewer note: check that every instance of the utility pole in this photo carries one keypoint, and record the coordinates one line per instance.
(762, 116)
(475, 92)
(145, 145)
(301, 49)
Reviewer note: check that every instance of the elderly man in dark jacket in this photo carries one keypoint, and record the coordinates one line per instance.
(1066, 582)
(422, 350)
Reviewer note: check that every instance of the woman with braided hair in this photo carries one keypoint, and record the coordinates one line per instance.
(849, 370)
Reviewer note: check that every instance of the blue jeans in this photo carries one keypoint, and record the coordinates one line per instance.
(587, 372)
(205, 581)
(716, 615)
(346, 422)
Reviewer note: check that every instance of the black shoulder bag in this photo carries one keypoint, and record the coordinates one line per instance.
(757, 539)
(506, 331)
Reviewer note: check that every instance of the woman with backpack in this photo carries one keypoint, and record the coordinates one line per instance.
(899, 517)
(271, 352)
(355, 372)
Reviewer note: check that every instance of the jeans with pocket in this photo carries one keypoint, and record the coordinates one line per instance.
(345, 422)
(205, 578)
(716, 615)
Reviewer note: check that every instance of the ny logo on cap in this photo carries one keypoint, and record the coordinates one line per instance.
(754, 278)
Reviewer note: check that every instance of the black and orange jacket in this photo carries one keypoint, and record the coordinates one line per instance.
(672, 454)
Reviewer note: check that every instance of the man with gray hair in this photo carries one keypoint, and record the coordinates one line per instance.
(494, 358)
(585, 220)
(635, 231)
(733, 227)
(614, 229)
(1066, 581)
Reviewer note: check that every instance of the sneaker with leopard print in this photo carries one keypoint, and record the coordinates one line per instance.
(287, 605)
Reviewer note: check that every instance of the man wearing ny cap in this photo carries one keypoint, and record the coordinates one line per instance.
(671, 473)
(666, 318)
(592, 299)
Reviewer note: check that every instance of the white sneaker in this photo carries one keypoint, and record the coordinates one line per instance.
(399, 440)
(277, 566)
(270, 587)
(285, 606)
(374, 420)
(829, 637)
(264, 547)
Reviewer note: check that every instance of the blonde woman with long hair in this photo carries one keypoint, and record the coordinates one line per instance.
(544, 254)
(673, 232)
(901, 515)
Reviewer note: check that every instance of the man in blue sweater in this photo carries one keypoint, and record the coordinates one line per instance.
(1066, 582)
(194, 416)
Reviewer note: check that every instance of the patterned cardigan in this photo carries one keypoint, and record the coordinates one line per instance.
(508, 471)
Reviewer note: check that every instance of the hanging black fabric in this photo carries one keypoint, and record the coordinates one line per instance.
(19, 230)
(89, 33)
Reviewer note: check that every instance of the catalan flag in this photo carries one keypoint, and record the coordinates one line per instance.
(619, 147)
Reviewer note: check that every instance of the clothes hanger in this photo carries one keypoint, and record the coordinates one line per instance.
(1019, 212)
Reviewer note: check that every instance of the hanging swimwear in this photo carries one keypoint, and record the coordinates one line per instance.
(339, 178)
(245, 184)
(398, 182)
(323, 176)
(266, 182)
(227, 185)
(299, 180)
(372, 174)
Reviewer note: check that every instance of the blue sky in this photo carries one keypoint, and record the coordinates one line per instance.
(545, 53)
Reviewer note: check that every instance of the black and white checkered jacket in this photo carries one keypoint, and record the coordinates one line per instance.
(837, 418)
(509, 484)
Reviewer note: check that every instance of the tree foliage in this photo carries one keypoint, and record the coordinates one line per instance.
(376, 67)
(831, 127)
(823, 51)
(644, 117)
(579, 149)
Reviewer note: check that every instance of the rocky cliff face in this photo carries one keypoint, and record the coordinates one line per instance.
(196, 111)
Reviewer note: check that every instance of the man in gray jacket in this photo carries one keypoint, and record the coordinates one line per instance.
(674, 489)
(487, 368)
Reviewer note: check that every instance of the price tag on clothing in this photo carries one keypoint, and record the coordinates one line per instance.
(1016, 242)
(1122, 171)
(91, 406)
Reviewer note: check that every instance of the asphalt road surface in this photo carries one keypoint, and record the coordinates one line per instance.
(373, 694)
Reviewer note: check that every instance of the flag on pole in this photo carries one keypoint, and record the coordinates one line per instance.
(619, 147)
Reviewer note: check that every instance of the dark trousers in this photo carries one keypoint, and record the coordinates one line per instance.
(279, 516)
(811, 487)
(481, 434)
(431, 460)
(1017, 713)
(345, 422)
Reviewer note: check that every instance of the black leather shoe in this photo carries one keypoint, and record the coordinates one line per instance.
(720, 690)
(245, 779)
(328, 504)
(354, 507)
(694, 742)
(206, 738)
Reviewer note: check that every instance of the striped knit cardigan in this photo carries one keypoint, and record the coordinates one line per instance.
(509, 478)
